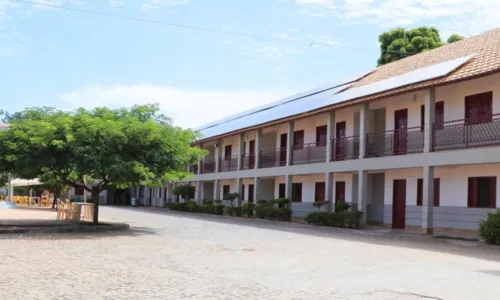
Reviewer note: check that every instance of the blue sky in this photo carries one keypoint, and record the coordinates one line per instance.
(66, 59)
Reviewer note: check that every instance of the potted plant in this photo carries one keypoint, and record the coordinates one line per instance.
(319, 204)
(248, 208)
(342, 206)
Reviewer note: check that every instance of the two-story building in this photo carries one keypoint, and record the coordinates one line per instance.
(411, 144)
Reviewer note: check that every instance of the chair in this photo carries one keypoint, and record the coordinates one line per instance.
(44, 201)
(62, 210)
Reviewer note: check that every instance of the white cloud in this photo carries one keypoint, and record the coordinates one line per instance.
(115, 3)
(188, 108)
(271, 52)
(156, 4)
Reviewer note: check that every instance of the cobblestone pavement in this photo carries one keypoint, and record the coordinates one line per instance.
(171, 255)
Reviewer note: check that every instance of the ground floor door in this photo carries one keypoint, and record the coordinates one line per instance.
(399, 204)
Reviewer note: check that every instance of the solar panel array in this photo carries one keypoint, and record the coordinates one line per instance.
(309, 101)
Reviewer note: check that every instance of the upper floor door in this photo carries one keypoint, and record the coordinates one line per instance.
(400, 131)
(340, 141)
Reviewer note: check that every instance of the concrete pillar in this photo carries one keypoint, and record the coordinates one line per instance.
(363, 194)
(174, 197)
(258, 145)
(169, 192)
(218, 155)
(256, 189)
(363, 129)
(217, 190)
(199, 188)
(428, 200)
(137, 190)
(429, 108)
(241, 150)
(330, 135)
(289, 143)
(329, 191)
(200, 162)
(239, 189)
(288, 187)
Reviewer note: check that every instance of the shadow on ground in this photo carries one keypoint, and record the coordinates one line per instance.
(132, 232)
(386, 238)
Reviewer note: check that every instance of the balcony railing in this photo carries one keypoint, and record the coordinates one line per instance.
(248, 161)
(309, 153)
(193, 169)
(272, 158)
(467, 133)
(395, 142)
(228, 163)
(207, 166)
(345, 148)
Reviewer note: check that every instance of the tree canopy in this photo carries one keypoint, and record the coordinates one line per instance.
(400, 43)
(454, 38)
(105, 146)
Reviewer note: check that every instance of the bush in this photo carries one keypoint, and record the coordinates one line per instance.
(191, 206)
(338, 219)
(261, 206)
(247, 209)
(285, 214)
(342, 206)
(208, 202)
(281, 202)
(207, 209)
(219, 209)
(277, 214)
(319, 204)
(174, 206)
(238, 211)
(228, 210)
(489, 229)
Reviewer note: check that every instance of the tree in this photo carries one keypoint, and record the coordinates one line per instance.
(186, 191)
(454, 38)
(120, 147)
(400, 43)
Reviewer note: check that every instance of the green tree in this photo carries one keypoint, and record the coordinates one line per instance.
(400, 43)
(119, 147)
(454, 38)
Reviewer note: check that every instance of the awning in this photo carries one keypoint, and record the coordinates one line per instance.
(25, 182)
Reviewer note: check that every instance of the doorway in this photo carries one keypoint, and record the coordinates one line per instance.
(339, 194)
(400, 131)
(340, 145)
(283, 142)
(251, 156)
(399, 204)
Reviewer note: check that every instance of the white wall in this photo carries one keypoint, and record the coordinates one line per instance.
(453, 182)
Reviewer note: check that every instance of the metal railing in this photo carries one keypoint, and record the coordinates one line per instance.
(228, 163)
(207, 166)
(248, 161)
(193, 169)
(345, 148)
(467, 133)
(395, 142)
(309, 153)
(272, 158)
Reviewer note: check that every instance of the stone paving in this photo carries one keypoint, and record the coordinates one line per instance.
(170, 255)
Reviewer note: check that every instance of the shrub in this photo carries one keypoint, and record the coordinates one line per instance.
(262, 202)
(238, 211)
(489, 229)
(228, 210)
(285, 214)
(338, 219)
(247, 209)
(281, 202)
(191, 206)
(261, 206)
(319, 204)
(219, 209)
(208, 202)
(174, 206)
(207, 209)
(342, 206)
(278, 214)
(217, 201)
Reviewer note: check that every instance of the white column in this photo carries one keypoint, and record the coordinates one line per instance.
(174, 197)
(363, 126)
(428, 200)
(200, 162)
(241, 151)
(170, 187)
(199, 186)
(258, 145)
(218, 155)
(239, 188)
(429, 115)
(256, 189)
(289, 143)
(11, 189)
(329, 191)
(288, 187)
(330, 135)
(363, 194)
(217, 190)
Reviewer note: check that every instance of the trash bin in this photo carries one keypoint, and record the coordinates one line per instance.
(133, 202)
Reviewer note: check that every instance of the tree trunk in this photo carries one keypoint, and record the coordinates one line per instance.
(95, 200)
(55, 200)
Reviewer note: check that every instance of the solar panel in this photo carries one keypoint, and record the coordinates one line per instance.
(324, 96)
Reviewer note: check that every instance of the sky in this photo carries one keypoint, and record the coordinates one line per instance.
(69, 59)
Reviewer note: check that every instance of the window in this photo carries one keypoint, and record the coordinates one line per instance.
(482, 192)
(250, 193)
(296, 192)
(438, 116)
(319, 191)
(420, 192)
(228, 151)
(321, 132)
(242, 196)
(298, 139)
(226, 189)
(281, 190)
(478, 108)
(159, 193)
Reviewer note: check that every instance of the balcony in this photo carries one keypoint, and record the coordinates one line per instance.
(248, 161)
(228, 163)
(467, 133)
(309, 154)
(207, 166)
(193, 169)
(395, 142)
(272, 158)
(345, 148)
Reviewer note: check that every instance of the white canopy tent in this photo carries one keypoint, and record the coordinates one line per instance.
(21, 182)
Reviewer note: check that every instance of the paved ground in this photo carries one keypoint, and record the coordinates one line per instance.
(179, 256)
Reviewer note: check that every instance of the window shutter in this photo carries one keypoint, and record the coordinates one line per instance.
(420, 191)
(437, 191)
(493, 192)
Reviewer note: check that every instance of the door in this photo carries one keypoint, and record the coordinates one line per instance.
(340, 141)
(283, 140)
(400, 131)
(251, 156)
(298, 139)
(399, 204)
(319, 191)
(321, 132)
(250, 193)
(281, 190)
(297, 192)
(339, 194)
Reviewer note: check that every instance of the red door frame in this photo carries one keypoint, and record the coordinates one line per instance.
(339, 193)
(399, 203)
